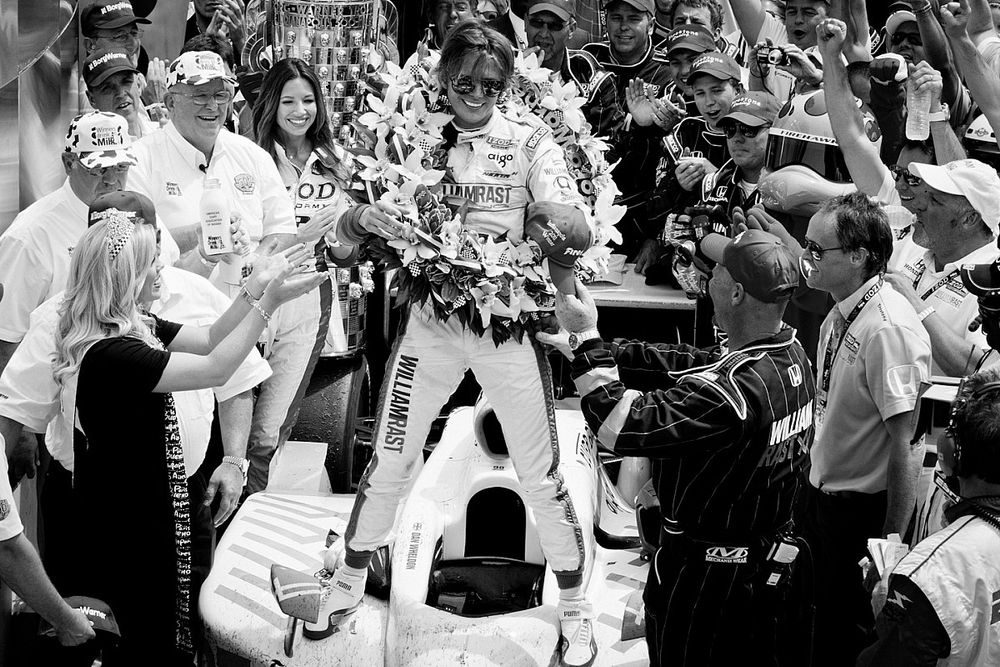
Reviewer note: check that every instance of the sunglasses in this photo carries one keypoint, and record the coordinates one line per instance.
(900, 37)
(816, 252)
(463, 85)
(100, 171)
(910, 179)
(553, 26)
(731, 129)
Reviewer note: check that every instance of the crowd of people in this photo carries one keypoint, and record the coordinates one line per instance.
(815, 181)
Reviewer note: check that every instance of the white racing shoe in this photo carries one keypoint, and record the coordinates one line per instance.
(577, 644)
(343, 596)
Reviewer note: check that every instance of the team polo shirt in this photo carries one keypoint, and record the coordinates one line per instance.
(944, 289)
(35, 255)
(10, 521)
(30, 396)
(875, 374)
(169, 172)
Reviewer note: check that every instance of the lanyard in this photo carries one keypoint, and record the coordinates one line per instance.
(831, 351)
(936, 286)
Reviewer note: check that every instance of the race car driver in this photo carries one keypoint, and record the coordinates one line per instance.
(732, 432)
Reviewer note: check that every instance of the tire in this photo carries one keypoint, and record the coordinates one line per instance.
(338, 410)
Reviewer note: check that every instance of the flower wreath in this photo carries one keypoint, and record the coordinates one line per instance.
(399, 157)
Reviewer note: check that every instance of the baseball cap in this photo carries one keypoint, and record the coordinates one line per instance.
(196, 68)
(690, 37)
(107, 15)
(753, 108)
(133, 205)
(564, 9)
(647, 6)
(102, 63)
(101, 139)
(897, 19)
(563, 235)
(97, 612)
(976, 181)
(715, 64)
(766, 267)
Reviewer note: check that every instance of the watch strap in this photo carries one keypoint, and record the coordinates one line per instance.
(941, 115)
(578, 339)
(242, 464)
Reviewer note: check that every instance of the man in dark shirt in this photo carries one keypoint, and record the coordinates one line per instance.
(731, 431)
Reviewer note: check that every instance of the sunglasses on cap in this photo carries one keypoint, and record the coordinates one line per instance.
(731, 129)
(553, 26)
(898, 173)
(121, 168)
(463, 85)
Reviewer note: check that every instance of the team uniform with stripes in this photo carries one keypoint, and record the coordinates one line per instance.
(729, 434)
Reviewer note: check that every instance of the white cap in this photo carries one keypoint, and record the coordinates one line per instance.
(897, 19)
(101, 139)
(972, 179)
(197, 67)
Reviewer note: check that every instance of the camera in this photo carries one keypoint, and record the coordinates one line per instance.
(983, 280)
(771, 55)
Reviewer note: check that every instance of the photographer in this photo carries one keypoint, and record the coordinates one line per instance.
(942, 598)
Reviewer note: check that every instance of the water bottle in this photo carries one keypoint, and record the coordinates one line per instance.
(918, 107)
(216, 236)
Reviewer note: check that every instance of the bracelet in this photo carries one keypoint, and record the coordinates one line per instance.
(263, 313)
(248, 297)
(207, 264)
(925, 313)
(925, 8)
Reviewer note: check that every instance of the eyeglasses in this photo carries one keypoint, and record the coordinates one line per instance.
(463, 85)
(816, 252)
(910, 179)
(553, 26)
(202, 99)
(100, 171)
(748, 132)
(121, 37)
(900, 37)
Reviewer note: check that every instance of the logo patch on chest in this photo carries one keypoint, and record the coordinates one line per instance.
(245, 183)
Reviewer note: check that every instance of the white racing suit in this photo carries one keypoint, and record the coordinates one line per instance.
(499, 168)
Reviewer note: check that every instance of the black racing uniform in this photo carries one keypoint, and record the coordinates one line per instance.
(722, 188)
(731, 433)
(640, 146)
(661, 32)
(599, 87)
(691, 133)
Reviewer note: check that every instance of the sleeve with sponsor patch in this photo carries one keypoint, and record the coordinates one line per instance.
(548, 175)
(692, 414)
(909, 631)
(897, 360)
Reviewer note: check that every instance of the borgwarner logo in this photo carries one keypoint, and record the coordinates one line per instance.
(728, 555)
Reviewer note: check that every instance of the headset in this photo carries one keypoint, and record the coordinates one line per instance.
(958, 463)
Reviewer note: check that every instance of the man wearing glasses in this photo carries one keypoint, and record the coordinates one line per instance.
(173, 165)
(745, 127)
(549, 25)
(873, 354)
(35, 250)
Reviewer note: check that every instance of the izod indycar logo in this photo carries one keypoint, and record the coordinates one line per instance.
(727, 555)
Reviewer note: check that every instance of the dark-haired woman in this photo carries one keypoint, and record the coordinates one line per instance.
(501, 164)
(290, 122)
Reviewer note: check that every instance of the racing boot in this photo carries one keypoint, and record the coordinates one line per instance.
(343, 595)
(577, 643)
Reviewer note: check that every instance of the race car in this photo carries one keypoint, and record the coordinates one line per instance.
(467, 581)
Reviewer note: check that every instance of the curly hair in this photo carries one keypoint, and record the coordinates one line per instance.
(102, 295)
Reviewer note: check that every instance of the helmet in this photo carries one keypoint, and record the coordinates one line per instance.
(802, 137)
(980, 142)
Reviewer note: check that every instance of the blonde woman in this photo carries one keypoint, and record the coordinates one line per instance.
(116, 366)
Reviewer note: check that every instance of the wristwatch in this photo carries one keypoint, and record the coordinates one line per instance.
(578, 339)
(242, 464)
(940, 115)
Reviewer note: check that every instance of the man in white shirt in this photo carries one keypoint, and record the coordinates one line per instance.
(173, 165)
(35, 250)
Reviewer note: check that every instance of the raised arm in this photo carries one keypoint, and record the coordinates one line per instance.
(936, 50)
(749, 15)
(981, 80)
(288, 276)
(860, 154)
